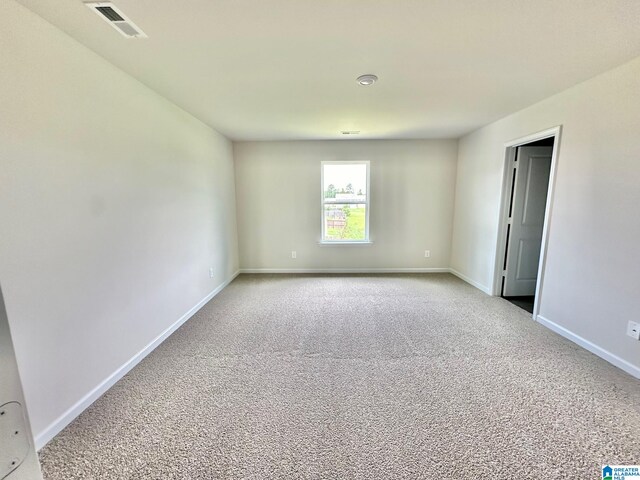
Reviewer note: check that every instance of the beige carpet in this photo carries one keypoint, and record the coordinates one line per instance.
(357, 377)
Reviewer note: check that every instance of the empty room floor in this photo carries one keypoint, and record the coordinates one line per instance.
(357, 377)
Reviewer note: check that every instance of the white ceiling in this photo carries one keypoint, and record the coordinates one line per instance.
(286, 69)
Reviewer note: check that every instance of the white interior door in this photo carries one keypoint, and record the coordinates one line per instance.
(529, 199)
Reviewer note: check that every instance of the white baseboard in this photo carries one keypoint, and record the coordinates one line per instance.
(344, 270)
(593, 348)
(42, 438)
(479, 286)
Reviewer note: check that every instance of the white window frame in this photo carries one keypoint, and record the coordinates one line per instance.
(323, 239)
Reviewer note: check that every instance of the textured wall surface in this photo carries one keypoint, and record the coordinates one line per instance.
(278, 191)
(114, 205)
(591, 284)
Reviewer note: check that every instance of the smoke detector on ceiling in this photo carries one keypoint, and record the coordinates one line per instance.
(118, 20)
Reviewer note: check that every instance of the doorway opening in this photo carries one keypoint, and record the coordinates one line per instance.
(530, 164)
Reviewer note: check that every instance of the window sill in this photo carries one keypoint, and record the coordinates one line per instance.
(329, 243)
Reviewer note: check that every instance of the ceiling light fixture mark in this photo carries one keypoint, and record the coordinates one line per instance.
(366, 80)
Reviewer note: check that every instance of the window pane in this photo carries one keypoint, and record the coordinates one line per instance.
(346, 182)
(345, 221)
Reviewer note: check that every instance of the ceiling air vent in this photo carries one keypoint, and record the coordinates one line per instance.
(118, 20)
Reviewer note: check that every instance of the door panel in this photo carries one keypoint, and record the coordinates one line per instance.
(528, 257)
(529, 200)
(535, 198)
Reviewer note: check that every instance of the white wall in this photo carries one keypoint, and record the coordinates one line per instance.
(114, 204)
(591, 284)
(278, 198)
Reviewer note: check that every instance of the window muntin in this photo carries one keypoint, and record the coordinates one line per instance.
(345, 202)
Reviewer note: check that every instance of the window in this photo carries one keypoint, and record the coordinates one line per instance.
(345, 202)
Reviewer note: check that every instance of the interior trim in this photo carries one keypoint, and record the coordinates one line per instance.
(42, 438)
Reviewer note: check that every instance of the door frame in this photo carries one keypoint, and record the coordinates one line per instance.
(510, 149)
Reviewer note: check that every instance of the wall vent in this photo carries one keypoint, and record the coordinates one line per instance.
(118, 20)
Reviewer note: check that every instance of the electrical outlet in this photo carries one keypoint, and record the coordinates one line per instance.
(211, 272)
(633, 330)
(294, 254)
(427, 253)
